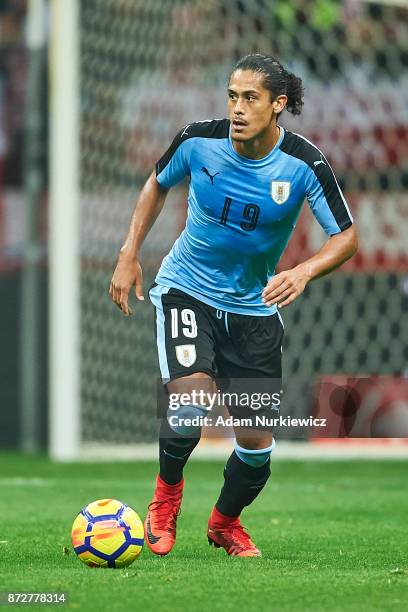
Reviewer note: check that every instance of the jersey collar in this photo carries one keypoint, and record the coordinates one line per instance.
(262, 160)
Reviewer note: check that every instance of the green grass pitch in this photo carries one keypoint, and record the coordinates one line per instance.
(333, 537)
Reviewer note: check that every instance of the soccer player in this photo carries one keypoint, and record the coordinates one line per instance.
(216, 294)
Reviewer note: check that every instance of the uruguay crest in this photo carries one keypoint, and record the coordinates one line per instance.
(280, 191)
(186, 354)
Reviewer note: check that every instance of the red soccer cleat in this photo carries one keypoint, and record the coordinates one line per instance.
(161, 519)
(228, 533)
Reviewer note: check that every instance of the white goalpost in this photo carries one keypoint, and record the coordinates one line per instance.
(64, 262)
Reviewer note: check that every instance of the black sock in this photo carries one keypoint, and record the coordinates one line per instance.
(174, 453)
(241, 485)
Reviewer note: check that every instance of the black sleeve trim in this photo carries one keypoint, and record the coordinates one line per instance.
(212, 128)
(299, 147)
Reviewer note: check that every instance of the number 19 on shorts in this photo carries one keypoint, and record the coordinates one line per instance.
(183, 321)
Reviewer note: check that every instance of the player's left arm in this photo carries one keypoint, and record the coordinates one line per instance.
(331, 211)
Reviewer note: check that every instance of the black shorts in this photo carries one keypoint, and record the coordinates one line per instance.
(195, 337)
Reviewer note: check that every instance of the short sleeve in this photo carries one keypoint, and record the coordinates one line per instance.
(174, 165)
(326, 198)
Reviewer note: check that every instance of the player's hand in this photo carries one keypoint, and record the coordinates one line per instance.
(285, 287)
(128, 273)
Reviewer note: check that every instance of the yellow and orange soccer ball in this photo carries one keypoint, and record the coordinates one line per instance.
(107, 533)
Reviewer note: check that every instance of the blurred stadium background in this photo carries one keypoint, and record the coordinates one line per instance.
(91, 94)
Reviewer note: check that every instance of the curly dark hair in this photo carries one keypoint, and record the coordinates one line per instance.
(278, 80)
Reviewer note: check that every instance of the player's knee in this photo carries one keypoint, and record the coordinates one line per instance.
(187, 403)
(186, 420)
(253, 439)
(255, 457)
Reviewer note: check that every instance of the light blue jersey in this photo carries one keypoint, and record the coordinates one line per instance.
(241, 212)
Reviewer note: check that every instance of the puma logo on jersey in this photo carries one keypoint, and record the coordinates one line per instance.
(319, 161)
(211, 176)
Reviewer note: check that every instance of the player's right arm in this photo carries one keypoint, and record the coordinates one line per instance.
(128, 271)
(171, 168)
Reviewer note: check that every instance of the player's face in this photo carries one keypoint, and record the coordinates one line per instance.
(250, 106)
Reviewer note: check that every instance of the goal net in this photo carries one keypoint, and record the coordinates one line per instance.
(149, 68)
